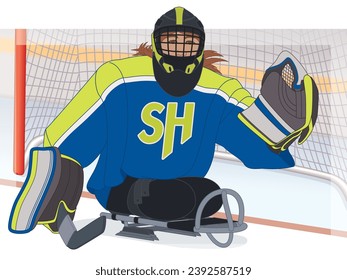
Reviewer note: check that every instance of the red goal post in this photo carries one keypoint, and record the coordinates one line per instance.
(19, 101)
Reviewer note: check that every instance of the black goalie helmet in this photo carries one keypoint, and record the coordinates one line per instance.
(178, 43)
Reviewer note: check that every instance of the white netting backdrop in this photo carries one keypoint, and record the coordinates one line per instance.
(59, 62)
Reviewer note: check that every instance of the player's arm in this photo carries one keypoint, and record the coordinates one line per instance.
(243, 143)
(71, 142)
(287, 107)
(80, 130)
(55, 176)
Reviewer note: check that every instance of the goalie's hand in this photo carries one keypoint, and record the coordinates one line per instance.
(287, 107)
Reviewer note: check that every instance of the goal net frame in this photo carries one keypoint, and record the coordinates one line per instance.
(248, 54)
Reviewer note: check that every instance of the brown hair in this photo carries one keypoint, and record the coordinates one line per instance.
(210, 56)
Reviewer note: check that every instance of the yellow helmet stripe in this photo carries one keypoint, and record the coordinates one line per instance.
(179, 15)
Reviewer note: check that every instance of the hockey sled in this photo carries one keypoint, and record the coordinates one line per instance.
(144, 228)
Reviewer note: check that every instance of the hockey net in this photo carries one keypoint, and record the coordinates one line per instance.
(59, 62)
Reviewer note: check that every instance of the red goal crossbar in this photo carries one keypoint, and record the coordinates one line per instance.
(19, 101)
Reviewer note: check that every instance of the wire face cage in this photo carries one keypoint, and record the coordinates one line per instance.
(179, 41)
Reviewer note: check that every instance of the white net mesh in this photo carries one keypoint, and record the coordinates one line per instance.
(59, 62)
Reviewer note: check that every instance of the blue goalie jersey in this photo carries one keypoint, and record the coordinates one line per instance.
(124, 119)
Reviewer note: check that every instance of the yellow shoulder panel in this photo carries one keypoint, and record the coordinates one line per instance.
(210, 79)
(135, 66)
(88, 95)
(231, 87)
(92, 91)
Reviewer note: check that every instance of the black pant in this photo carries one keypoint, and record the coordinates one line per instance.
(163, 199)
